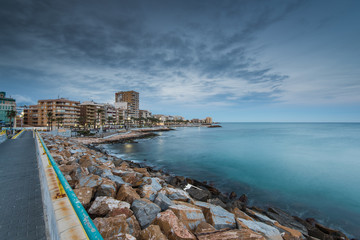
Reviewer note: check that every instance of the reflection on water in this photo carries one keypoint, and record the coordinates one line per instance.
(307, 169)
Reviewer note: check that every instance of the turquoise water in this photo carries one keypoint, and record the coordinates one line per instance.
(308, 169)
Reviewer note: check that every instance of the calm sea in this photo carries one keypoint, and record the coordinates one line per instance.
(307, 169)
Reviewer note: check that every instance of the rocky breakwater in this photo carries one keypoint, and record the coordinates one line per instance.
(127, 201)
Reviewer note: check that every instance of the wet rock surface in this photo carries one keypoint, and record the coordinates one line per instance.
(127, 200)
(145, 211)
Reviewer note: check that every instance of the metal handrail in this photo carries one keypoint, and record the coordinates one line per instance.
(88, 225)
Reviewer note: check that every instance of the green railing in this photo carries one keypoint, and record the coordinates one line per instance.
(88, 225)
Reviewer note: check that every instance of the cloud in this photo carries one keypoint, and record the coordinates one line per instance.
(23, 100)
(171, 51)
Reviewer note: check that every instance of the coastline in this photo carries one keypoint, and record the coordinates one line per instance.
(289, 226)
(122, 137)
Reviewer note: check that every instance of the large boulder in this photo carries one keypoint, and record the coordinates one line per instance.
(260, 217)
(204, 227)
(134, 226)
(150, 190)
(335, 234)
(190, 216)
(116, 179)
(84, 195)
(268, 231)
(112, 226)
(173, 228)
(163, 201)
(290, 234)
(240, 214)
(198, 193)
(286, 220)
(176, 194)
(127, 193)
(143, 171)
(103, 205)
(145, 211)
(233, 234)
(90, 181)
(152, 232)
(217, 216)
(121, 210)
(86, 161)
(78, 173)
(133, 178)
(99, 170)
(217, 201)
(107, 188)
(117, 161)
(67, 169)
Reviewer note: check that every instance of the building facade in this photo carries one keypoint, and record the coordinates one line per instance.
(6, 104)
(92, 114)
(132, 99)
(64, 112)
(144, 114)
(31, 116)
(208, 120)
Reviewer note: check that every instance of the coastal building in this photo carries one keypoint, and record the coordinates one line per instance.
(179, 118)
(121, 108)
(144, 114)
(208, 120)
(65, 112)
(161, 117)
(113, 114)
(196, 120)
(92, 114)
(132, 99)
(31, 116)
(6, 104)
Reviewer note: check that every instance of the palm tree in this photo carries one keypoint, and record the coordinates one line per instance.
(50, 119)
(11, 114)
(59, 120)
(82, 121)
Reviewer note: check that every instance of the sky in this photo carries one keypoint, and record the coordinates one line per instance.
(237, 61)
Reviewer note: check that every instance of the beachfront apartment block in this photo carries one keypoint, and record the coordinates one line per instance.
(144, 114)
(132, 99)
(92, 114)
(31, 116)
(6, 104)
(65, 113)
(208, 120)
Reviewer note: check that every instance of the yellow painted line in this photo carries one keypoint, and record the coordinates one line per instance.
(61, 188)
(14, 137)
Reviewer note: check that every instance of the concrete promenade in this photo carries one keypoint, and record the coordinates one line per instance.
(21, 207)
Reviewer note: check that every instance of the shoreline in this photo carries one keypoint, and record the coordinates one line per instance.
(121, 137)
(202, 191)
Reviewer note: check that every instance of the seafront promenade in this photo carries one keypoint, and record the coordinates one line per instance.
(21, 206)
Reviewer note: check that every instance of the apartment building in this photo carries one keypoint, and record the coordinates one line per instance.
(6, 104)
(92, 114)
(208, 120)
(67, 112)
(132, 99)
(31, 116)
(144, 114)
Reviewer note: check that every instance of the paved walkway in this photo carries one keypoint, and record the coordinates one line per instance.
(21, 209)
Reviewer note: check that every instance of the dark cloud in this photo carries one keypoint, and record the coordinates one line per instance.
(151, 40)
